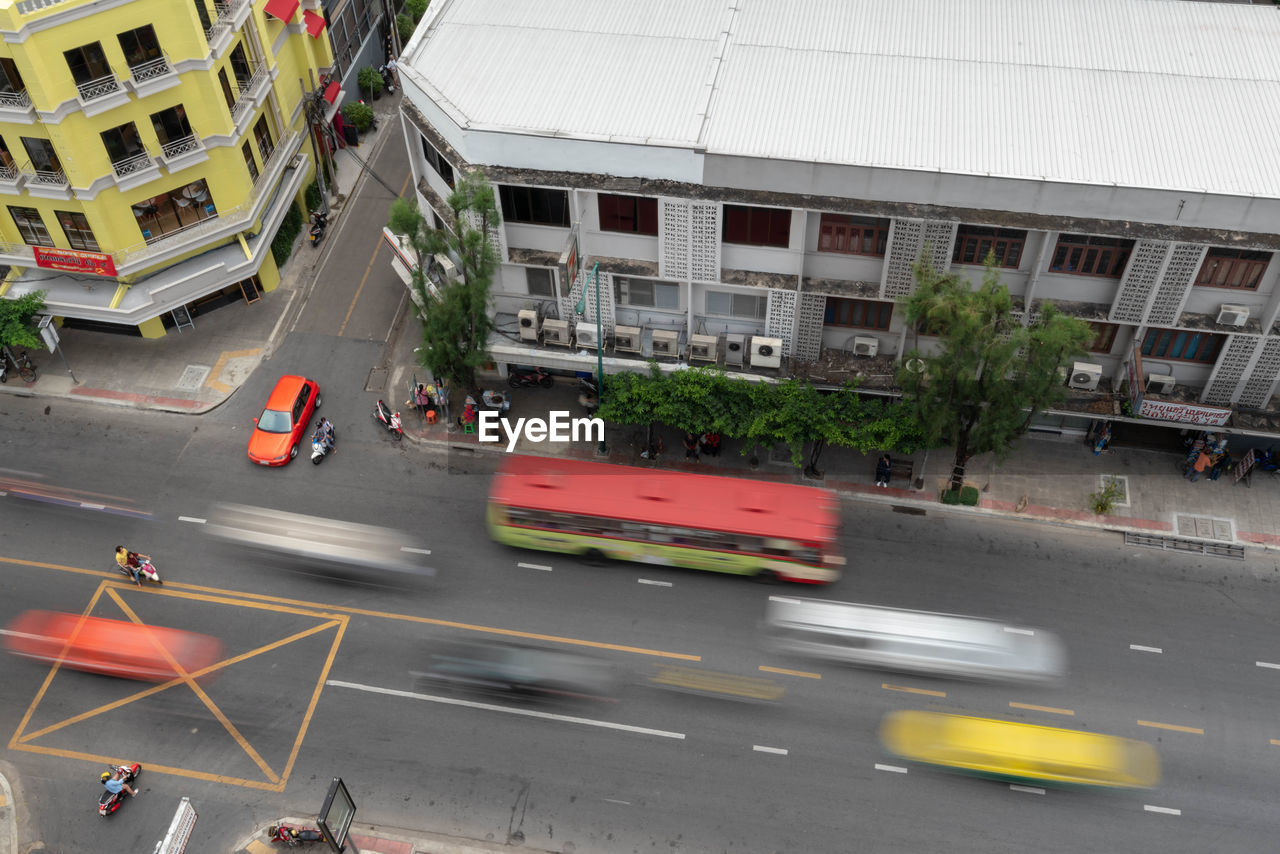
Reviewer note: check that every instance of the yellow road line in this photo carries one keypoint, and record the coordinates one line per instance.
(162, 769)
(216, 371)
(802, 673)
(1173, 727)
(249, 600)
(905, 689)
(164, 686)
(231, 728)
(368, 270)
(315, 698)
(1050, 709)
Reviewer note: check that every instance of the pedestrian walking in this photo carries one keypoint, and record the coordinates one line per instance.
(884, 470)
(690, 447)
(1197, 468)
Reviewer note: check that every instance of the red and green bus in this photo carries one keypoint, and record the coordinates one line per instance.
(700, 521)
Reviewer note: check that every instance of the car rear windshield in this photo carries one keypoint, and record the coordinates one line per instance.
(274, 421)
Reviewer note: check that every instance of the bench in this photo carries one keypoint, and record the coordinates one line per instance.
(903, 470)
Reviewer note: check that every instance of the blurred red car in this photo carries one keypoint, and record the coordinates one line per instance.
(111, 647)
(281, 425)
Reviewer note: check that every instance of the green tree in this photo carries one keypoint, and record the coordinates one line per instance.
(17, 328)
(455, 319)
(991, 375)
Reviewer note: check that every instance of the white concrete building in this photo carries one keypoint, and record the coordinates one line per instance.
(772, 169)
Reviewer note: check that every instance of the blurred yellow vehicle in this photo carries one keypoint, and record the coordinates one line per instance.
(1020, 753)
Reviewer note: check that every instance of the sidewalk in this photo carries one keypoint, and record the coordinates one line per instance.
(383, 840)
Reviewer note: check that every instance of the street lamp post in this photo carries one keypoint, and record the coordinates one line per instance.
(581, 308)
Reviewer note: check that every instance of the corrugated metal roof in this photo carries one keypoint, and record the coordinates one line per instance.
(1148, 93)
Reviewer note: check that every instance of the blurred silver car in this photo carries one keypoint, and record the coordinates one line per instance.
(912, 641)
(314, 544)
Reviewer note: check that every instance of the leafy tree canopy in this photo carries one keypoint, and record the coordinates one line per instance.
(455, 319)
(990, 375)
(17, 316)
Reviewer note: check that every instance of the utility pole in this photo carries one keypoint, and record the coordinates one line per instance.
(314, 100)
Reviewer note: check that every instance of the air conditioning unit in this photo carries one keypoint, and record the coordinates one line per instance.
(1233, 315)
(766, 352)
(529, 326)
(666, 342)
(555, 332)
(626, 339)
(586, 334)
(865, 346)
(1085, 375)
(702, 348)
(735, 349)
(1160, 384)
(448, 269)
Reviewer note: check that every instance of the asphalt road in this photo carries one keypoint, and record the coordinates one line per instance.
(324, 685)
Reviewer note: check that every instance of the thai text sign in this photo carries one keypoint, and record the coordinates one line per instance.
(1186, 413)
(75, 260)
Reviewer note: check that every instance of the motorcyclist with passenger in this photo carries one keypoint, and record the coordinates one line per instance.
(324, 434)
(114, 782)
(131, 561)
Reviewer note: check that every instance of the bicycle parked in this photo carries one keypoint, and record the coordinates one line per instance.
(26, 370)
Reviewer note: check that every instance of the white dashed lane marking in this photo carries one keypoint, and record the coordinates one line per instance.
(654, 583)
(1139, 648)
(534, 566)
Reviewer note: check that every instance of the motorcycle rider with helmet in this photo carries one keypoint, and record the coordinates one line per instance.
(114, 783)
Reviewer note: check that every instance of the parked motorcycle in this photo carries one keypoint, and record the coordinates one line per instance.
(293, 836)
(389, 419)
(388, 79)
(111, 801)
(526, 377)
(322, 441)
(146, 570)
(319, 221)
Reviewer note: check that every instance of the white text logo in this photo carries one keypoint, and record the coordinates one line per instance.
(558, 427)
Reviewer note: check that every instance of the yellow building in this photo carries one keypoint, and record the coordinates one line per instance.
(150, 149)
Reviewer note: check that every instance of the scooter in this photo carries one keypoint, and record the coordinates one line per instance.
(519, 378)
(388, 80)
(322, 441)
(111, 801)
(146, 570)
(389, 419)
(319, 220)
(293, 836)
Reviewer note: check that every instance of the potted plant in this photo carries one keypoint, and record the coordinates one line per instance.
(370, 81)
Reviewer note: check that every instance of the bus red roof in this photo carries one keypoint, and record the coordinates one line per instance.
(732, 504)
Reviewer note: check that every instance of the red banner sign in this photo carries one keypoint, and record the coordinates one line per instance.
(75, 261)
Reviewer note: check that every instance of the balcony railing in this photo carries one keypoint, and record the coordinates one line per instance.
(20, 100)
(178, 147)
(99, 88)
(47, 177)
(247, 89)
(151, 69)
(10, 172)
(130, 165)
(226, 10)
(225, 220)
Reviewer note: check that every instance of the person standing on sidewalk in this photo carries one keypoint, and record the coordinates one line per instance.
(884, 470)
(690, 447)
(1197, 468)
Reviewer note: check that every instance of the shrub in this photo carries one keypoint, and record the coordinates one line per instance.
(282, 245)
(370, 81)
(417, 8)
(951, 496)
(314, 202)
(1103, 501)
(360, 115)
(969, 496)
(404, 27)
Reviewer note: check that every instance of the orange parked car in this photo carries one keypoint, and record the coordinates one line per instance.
(284, 421)
(110, 647)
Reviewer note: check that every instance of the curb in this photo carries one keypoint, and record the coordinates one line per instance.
(8, 818)
(401, 841)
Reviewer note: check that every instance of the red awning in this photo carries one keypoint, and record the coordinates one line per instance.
(313, 22)
(282, 9)
(332, 91)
